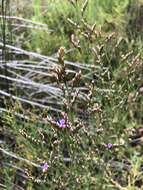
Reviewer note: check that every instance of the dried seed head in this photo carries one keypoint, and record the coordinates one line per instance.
(75, 41)
(61, 52)
(76, 78)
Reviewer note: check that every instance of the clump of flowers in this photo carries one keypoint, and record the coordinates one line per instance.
(45, 167)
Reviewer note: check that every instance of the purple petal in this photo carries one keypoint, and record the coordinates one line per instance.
(61, 123)
(109, 145)
(45, 166)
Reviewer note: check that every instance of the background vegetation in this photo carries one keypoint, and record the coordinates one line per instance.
(71, 95)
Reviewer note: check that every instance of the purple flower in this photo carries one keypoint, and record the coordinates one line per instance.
(45, 167)
(109, 145)
(61, 123)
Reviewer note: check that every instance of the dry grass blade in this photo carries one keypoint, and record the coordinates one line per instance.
(12, 155)
(28, 101)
